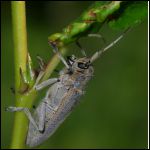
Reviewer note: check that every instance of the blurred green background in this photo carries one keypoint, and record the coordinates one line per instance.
(113, 112)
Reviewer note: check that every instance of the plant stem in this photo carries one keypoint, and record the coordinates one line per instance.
(20, 57)
(19, 37)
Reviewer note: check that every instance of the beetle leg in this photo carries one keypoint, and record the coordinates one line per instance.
(97, 54)
(81, 48)
(40, 112)
(26, 111)
(46, 83)
(39, 78)
(41, 62)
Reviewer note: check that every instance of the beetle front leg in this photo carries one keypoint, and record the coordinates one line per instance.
(55, 49)
(81, 48)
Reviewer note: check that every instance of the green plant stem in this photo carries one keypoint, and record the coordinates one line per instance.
(19, 37)
(20, 54)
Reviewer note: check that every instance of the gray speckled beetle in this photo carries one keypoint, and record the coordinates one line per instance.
(61, 97)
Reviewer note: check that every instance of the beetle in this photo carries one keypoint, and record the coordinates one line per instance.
(62, 96)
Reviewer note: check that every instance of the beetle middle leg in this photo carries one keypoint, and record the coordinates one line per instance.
(46, 83)
(39, 86)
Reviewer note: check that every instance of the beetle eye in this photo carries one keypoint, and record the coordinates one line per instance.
(83, 66)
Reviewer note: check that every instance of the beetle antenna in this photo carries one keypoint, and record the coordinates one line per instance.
(98, 53)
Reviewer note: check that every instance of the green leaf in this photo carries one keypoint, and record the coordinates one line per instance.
(129, 14)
